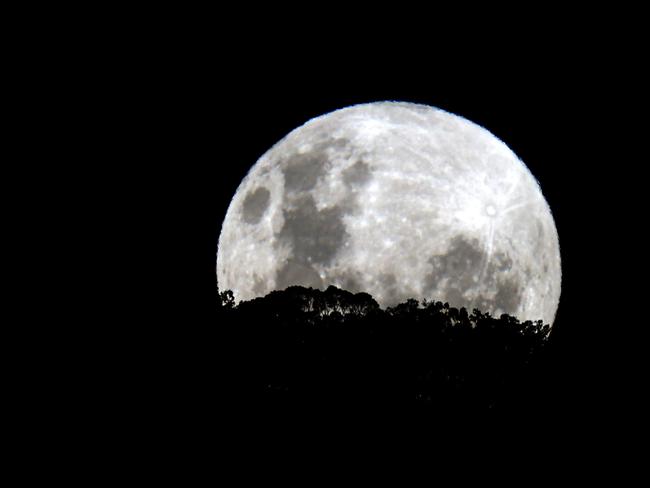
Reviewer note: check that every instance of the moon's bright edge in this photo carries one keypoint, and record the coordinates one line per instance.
(398, 200)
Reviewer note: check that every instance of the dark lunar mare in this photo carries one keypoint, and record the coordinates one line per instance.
(255, 205)
(461, 264)
(314, 236)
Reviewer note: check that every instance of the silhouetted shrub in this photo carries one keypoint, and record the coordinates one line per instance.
(334, 347)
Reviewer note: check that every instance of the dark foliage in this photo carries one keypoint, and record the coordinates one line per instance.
(304, 346)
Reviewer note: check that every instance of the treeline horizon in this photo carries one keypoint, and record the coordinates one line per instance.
(305, 346)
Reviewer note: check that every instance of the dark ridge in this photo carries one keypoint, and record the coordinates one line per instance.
(312, 348)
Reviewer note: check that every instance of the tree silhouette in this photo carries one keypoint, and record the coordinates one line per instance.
(334, 347)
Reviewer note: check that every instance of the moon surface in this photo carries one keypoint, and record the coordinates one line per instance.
(398, 200)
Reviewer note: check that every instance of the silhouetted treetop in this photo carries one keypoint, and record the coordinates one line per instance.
(336, 346)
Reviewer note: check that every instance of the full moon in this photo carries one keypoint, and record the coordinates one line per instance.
(398, 200)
